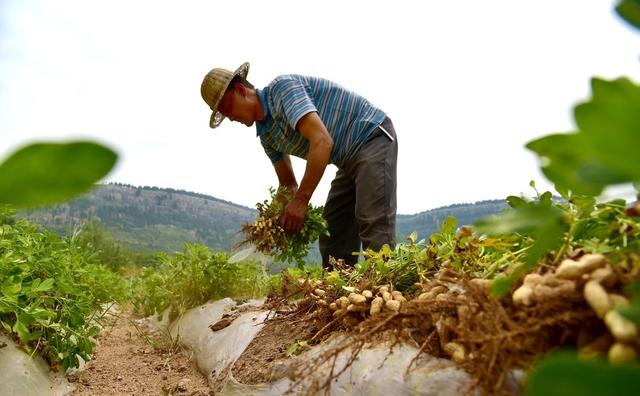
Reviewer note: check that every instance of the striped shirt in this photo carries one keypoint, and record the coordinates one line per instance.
(348, 117)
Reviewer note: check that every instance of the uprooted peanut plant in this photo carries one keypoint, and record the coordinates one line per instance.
(270, 238)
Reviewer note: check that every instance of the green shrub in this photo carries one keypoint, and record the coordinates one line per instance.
(53, 290)
(194, 277)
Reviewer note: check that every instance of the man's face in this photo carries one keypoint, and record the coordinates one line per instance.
(235, 105)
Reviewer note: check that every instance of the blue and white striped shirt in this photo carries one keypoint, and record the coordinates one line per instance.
(349, 117)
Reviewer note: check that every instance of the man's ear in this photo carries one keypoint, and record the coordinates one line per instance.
(241, 89)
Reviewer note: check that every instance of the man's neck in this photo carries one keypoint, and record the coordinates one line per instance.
(260, 106)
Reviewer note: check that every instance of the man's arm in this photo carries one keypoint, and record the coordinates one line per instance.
(286, 178)
(320, 144)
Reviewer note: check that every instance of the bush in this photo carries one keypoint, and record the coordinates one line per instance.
(194, 277)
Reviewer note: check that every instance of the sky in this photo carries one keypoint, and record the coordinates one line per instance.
(467, 84)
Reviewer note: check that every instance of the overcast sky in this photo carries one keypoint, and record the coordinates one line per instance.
(467, 83)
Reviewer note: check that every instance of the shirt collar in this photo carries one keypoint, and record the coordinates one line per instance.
(263, 101)
(262, 96)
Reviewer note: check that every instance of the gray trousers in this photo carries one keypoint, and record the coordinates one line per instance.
(361, 205)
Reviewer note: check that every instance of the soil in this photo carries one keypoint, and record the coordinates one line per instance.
(268, 348)
(126, 363)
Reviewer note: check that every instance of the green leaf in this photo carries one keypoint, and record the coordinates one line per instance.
(523, 220)
(630, 11)
(546, 199)
(584, 203)
(449, 225)
(632, 312)
(295, 348)
(22, 331)
(500, 286)
(413, 237)
(10, 288)
(44, 286)
(565, 162)
(44, 173)
(563, 191)
(5, 325)
(563, 374)
(604, 150)
(516, 202)
(610, 123)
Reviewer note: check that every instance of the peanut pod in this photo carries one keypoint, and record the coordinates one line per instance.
(355, 298)
(392, 305)
(342, 302)
(523, 295)
(398, 296)
(622, 353)
(376, 306)
(570, 269)
(620, 327)
(456, 351)
(597, 298)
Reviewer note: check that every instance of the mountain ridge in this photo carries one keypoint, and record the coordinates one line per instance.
(148, 218)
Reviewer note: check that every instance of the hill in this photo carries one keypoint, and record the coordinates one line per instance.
(427, 222)
(162, 219)
(151, 218)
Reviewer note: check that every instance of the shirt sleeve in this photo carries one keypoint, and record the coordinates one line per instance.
(273, 155)
(291, 99)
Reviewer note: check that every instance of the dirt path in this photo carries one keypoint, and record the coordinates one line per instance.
(126, 363)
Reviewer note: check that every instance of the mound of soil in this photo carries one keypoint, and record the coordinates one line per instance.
(268, 348)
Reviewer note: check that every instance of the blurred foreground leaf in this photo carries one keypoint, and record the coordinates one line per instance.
(543, 222)
(604, 150)
(632, 311)
(563, 374)
(44, 173)
(630, 11)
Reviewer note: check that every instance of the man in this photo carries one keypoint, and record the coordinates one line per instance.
(322, 122)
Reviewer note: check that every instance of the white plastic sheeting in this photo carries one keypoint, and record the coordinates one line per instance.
(217, 350)
(375, 372)
(20, 374)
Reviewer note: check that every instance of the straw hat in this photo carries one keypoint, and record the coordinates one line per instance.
(215, 84)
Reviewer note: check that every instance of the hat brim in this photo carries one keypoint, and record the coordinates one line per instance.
(217, 117)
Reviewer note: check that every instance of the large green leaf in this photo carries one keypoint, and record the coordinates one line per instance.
(44, 173)
(610, 124)
(630, 10)
(604, 150)
(564, 375)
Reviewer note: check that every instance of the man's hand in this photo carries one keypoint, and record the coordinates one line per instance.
(294, 214)
(285, 194)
